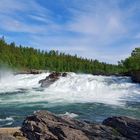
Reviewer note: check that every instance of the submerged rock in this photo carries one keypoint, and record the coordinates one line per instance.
(44, 125)
(51, 79)
(128, 127)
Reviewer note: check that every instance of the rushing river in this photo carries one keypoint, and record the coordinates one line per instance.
(83, 96)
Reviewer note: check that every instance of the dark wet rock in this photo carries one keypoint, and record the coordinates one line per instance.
(64, 74)
(54, 76)
(18, 134)
(44, 125)
(128, 127)
(135, 76)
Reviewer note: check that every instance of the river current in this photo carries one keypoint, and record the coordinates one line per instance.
(82, 96)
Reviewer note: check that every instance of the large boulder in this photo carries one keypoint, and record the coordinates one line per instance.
(44, 125)
(128, 127)
(54, 76)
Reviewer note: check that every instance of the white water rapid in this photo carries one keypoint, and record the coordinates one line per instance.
(75, 88)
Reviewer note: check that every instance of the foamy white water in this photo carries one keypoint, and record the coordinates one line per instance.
(68, 114)
(75, 88)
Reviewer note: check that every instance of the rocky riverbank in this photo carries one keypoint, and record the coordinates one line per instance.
(30, 71)
(135, 76)
(43, 125)
(11, 134)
